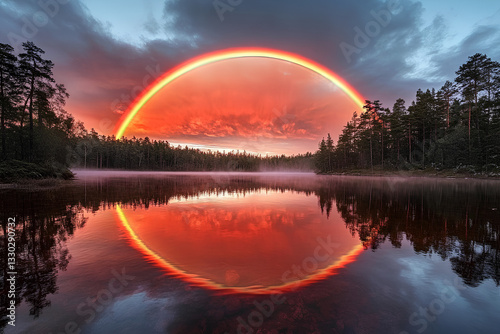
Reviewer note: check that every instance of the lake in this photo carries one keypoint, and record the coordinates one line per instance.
(131, 252)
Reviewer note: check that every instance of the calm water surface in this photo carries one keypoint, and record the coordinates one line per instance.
(125, 252)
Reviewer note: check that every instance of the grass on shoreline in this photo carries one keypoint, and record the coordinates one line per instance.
(19, 172)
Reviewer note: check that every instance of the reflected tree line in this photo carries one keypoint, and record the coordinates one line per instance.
(41, 234)
(457, 221)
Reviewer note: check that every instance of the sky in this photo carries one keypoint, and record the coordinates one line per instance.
(107, 52)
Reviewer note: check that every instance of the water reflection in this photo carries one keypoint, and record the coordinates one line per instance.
(41, 234)
(258, 242)
(457, 220)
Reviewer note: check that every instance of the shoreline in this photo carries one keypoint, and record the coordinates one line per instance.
(35, 184)
(444, 174)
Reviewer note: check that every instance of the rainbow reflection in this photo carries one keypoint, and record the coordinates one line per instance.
(261, 242)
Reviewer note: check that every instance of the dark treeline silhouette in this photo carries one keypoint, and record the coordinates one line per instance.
(102, 152)
(34, 127)
(456, 127)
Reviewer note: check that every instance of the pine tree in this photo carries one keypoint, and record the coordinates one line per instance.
(321, 157)
(8, 73)
(329, 152)
(397, 126)
(36, 75)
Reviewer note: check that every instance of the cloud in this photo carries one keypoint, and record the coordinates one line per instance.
(483, 39)
(152, 26)
(315, 29)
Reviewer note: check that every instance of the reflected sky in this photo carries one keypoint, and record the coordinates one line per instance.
(252, 242)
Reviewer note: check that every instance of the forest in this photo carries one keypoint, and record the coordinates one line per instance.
(98, 151)
(454, 128)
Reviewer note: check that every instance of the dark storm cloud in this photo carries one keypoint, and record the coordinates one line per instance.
(102, 74)
(317, 29)
(389, 63)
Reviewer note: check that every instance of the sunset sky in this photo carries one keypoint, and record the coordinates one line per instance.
(107, 52)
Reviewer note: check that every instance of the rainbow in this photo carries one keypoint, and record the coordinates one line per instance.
(217, 56)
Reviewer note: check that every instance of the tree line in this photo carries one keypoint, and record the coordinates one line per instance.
(101, 152)
(455, 127)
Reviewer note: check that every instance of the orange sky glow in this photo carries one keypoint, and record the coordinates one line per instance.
(257, 105)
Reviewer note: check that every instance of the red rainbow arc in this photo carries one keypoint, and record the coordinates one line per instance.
(217, 56)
